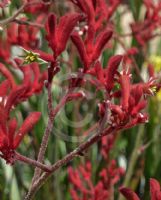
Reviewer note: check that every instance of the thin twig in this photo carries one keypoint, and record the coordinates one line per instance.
(18, 21)
(21, 9)
(48, 131)
(32, 162)
(9, 19)
(77, 152)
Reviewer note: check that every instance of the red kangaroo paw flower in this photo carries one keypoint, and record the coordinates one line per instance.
(136, 92)
(57, 35)
(51, 30)
(141, 105)
(99, 72)
(64, 29)
(37, 75)
(7, 75)
(87, 7)
(23, 36)
(101, 41)
(77, 40)
(128, 194)
(14, 97)
(27, 125)
(112, 67)
(125, 90)
(116, 109)
(27, 73)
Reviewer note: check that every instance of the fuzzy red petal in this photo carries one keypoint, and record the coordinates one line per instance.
(64, 29)
(76, 39)
(7, 75)
(101, 41)
(27, 125)
(112, 67)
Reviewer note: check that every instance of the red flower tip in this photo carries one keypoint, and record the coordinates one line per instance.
(101, 41)
(51, 24)
(128, 193)
(125, 90)
(14, 97)
(78, 42)
(7, 74)
(64, 29)
(112, 67)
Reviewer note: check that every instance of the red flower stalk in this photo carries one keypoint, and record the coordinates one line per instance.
(83, 188)
(25, 36)
(143, 31)
(10, 139)
(58, 34)
(128, 112)
(11, 94)
(91, 52)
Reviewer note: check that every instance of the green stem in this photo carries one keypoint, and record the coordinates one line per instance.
(133, 159)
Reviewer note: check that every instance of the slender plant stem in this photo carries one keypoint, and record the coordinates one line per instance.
(34, 163)
(29, 23)
(77, 152)
(45, 136)
(133, 158)
(10, 19)
(47, 132)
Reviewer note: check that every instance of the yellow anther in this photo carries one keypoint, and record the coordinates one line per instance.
(31, 57)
